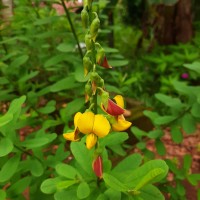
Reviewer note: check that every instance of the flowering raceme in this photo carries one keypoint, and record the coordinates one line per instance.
(92, 125)
(116, 110)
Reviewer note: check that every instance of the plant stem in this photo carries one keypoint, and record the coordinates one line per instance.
(28, 153)
(72, 27)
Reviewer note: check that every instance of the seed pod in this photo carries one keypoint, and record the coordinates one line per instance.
(100, 56)
(94, 27)
(87, 64)
(88, 42)
(85, 18)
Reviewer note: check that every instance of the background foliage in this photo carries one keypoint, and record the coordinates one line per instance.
(42, 86)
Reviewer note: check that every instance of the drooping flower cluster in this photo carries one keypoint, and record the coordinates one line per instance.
(96, 126)
(89, 123)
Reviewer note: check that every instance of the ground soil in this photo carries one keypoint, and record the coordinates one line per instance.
(190, 145)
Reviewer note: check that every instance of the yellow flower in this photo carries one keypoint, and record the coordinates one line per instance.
(73, 136)
(119, 123)
(92, 125)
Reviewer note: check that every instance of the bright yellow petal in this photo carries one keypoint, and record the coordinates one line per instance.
(101, 126)
(91, 140)
(119, 100)
(85, 122)
(76, 118)
(121, 125)
(70, 136)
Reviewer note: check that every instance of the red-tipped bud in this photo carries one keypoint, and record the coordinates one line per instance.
(113, 109)
(104, 63)
(97, 166)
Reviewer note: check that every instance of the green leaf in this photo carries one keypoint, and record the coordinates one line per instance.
(151, 115)
(180, 189)
(194, 179)
(137, 175)
(195, 111)
(5, 119)
(138, 133)
(70, 193)
(79, 74)
(66, 171)
(49, 107)
(49, 186)
(187, 161)
(18, 187)
(195, 66)
(160, 147)
(113, 194)
(157, 133)
(149, 177)
(6, 146)
(28, 76)
(83, 156)
(114, 183)
(9, 168)
(16, 104)
(114, 138)
(72, 107)
(129, 163)
(176, 134)
(53, 61)
(37, 142)
(20, 60)
(188, 123)
(36, 168)
(118, 63)
(83, 190)
(2, 194)
(150, 192)
(65, 47)
(64, 84)
(174, 103)
(112, 88)
(164, 119)
(65, 184)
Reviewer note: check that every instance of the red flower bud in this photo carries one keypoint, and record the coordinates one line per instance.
(97, 166)
(104, 63)
(113, 109)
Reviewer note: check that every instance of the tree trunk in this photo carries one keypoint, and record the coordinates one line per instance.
(174, 23)
(7, 12)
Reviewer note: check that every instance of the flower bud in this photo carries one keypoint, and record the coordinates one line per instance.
(97, 166)
(87, 64)
(100, 56)
(104, 99)
(94, 76)
(88, 42)
(88, 89)
(85, 18)
(94, 27)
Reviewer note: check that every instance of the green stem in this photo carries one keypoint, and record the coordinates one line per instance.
(72, 27)
(28, 153)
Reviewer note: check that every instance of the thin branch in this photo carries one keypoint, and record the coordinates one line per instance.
(72, 27)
